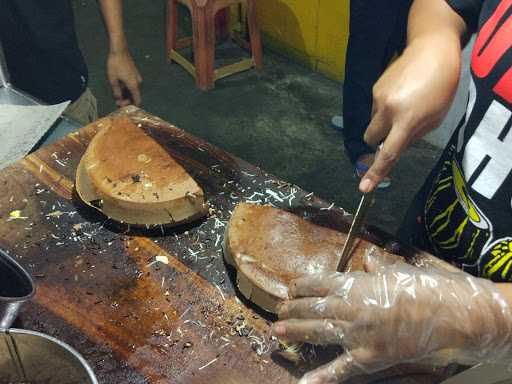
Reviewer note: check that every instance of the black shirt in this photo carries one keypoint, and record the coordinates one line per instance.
(41, 49)
(464, 211)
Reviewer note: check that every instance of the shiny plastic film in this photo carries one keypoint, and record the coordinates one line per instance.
(396, 313)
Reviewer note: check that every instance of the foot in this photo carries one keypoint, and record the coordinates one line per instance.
(337, 122)
(364, 163)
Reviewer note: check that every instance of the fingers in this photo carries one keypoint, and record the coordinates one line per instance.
(319, 332)
(117, 92)
(378, 128)
(396, 142)
(133, 87)
(357, 362)
(334, 372)
(374, 260)
(332, 307)
(124, 79)
(384, 162)
(320, 285)
(133, 84)
(427, 261)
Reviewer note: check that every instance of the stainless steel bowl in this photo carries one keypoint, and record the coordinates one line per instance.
(31, 357)
(16, 287)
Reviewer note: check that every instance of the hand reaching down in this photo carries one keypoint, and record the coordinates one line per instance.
(124, 78)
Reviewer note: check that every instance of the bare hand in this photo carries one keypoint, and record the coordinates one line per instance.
(124, 78)
(409, 100)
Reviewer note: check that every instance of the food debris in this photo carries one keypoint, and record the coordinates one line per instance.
(259, 345)
(143, 158)
(159, 259)
(184, 313)
(217, 240)
(219, 223)
(274, 195)
(220, 291)
(208, 364)
(291, 352)
(191, 195)
(162, 259)
(328, 208)
(55, 214)
(16, 215)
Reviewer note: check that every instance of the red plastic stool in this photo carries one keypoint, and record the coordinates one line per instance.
(204, 38)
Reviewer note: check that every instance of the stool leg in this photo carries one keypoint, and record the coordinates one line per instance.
(222, 21)
(171, 27)
(254, 35)
(203, 24)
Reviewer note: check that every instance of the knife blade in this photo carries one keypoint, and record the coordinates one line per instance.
(355, 228)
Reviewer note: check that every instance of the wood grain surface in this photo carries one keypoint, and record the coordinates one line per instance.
(135, 319)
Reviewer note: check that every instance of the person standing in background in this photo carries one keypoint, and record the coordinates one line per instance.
(44, 59)
(378, 31)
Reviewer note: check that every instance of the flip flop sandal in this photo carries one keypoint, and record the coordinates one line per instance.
(362, 168)
(337, 123)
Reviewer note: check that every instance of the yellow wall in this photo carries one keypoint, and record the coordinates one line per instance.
(313, 31)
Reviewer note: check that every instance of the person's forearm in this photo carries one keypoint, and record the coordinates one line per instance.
(122, 72)
(506, 291)
(112, 11)
(434, 18)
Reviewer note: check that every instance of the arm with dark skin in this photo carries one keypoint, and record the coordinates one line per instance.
(122, 72)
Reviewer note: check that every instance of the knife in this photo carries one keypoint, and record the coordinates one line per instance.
(355, 228)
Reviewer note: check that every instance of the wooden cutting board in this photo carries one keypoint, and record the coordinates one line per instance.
(137, 320)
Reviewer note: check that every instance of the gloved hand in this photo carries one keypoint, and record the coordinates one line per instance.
(396, 314)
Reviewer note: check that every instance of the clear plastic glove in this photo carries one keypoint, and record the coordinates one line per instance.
(124, 78)
(396, 314)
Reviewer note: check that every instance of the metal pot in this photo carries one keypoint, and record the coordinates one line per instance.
(32, 357)
(16, 287)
